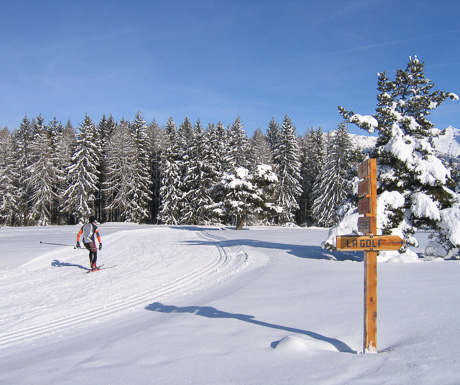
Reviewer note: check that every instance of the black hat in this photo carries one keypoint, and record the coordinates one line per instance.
(92, 219)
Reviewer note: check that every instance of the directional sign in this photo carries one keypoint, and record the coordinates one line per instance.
(364, 169)
(364, 205)
(369, 243)
(364, 187)
(366, 224)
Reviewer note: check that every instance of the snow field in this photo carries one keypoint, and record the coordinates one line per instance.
(151, 263)
(217, 306)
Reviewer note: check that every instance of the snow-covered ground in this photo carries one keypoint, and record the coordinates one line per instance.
(209, 305)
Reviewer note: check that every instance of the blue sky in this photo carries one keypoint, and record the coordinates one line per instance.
(216, 60)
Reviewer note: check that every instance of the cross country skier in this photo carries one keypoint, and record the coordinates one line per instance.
(89, 230)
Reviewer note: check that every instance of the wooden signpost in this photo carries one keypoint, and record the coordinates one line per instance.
(370, 243)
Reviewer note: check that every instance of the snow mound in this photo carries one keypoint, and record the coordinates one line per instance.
(297, 344)
(434, 249)
(395, 257)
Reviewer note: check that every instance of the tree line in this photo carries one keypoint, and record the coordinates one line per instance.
(188, 174)
(176, 174)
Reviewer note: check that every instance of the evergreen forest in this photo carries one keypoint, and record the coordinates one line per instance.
(184, 173)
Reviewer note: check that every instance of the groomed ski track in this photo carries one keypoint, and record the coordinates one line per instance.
(152, 265)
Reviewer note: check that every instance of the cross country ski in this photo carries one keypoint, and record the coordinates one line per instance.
(99, 268)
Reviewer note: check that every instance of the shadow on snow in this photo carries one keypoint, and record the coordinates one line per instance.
(57, 263)
(211, 312)
(300, 251)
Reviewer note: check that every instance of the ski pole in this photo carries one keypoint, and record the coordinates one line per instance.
(56, 244)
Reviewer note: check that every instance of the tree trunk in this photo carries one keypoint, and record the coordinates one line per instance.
(239, 222)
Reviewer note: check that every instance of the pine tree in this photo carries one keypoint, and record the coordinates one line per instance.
(247, 194)
(312, 158)
(266, 180)
(334, 185)
(23, 139)
(155, 147)
(105, 130)
(140, 184)
(66, 145)
(218, 146)
(287, 167)
(60, 161)
(197, 181)
(217, 139)
(407, 163)
(234, 155)
(120, 154)
(206, 171)
(239, 150)
(43, 175)
(187, 155)
(82, 174)
(171, 177)
(274, 137)
(9, 179)
(260, 148)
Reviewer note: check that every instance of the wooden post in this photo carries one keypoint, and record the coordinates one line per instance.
(370, 243)
(370, 268)
(370, 301)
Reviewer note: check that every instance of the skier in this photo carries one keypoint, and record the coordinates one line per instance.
(89, 230)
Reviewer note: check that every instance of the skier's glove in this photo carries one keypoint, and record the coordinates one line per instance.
(100, 246)
(78, 245)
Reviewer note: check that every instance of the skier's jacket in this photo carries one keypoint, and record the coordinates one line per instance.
(88, 231)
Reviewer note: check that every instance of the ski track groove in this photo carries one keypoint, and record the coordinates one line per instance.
(223, 265)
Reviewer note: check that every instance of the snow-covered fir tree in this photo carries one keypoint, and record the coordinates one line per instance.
(239, 150)
(23, 139)
(126, 183)
(247, 194)
(120, 154)
(415, 188)
(312, 157)
(155, 139)
(198, 180)
(171, 177)
(65, 148)
(61, 160)
(43, 175)
(217, 138)
(261, 148)
(138, 210)
(266, 181)
(105, 129)
(334, 184)
(9, 179)
(287, 167)
(187, 156)
(273, 136)
(218, 147)
(236, 157)
(82, 174)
